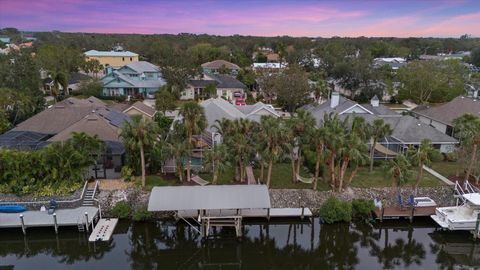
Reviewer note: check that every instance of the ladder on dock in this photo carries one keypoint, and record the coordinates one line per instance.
(225, 221)
(80, 225)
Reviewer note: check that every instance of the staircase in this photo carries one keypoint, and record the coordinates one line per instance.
(88, 197)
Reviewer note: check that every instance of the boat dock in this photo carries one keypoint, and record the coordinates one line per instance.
(81, 217)
(103, 230)
(251, 213)
(407, 212)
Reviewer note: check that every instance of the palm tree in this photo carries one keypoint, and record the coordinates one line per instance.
(467, 129)
(274, 133)
(139, 133)
(59, 79)
(421, 156)
(335, 132)
(195, 122)
(317, 140)
(354, 149)
(378, 130)
(299, 125)
(399, 170)
(217, 158)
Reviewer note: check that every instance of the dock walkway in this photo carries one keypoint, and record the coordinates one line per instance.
(103, 230)
(65, 217)
(396, 212)
(252, 213)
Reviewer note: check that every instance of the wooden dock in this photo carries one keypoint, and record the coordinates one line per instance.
(407, 212)
(81, 216)
(103, 230)
(253, 213)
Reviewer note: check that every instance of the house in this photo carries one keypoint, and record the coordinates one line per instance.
(227, 87)
(269, 66)
(140, 108)
(58, 122)
(74, 80)
(394, 62)
(219, 67)
(441, 117)
(139, 78)
(5, 39)
(407, 130)
(218, 108)
(114, 58)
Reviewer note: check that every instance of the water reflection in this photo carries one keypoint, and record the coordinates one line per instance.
(162, 245)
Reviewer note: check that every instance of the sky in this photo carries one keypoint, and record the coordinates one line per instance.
(372, 18)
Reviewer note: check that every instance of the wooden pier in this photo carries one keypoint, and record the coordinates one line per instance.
(81, 217)
(103, 230)
(407, 212)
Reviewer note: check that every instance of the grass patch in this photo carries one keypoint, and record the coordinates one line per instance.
(379, 178)
(155, 181)
(448, 168)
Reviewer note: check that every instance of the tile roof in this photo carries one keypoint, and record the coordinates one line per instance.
(447, 112)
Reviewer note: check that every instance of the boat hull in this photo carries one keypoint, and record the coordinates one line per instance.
(12, 208)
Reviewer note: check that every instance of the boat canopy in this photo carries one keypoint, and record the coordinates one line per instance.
(473, 198)
(174, 198)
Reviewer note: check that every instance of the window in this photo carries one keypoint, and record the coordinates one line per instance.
(123, 59)
(131, 59)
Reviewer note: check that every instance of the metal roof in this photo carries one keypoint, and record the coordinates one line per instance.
(110, 53)
(174, 198)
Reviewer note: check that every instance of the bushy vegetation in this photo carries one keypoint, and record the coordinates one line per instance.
(362, 208)
(335, 210)
(122, 210)
(57, 169)
(141, 214)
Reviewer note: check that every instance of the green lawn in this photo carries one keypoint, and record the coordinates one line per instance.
(447, 168)
(155, 181)
(378, 178)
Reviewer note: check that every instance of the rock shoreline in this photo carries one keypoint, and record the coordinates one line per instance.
(290, 198)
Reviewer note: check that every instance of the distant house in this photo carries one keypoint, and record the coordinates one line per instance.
(445, 56)
(441, 117)
(114, 59)
(407, 131)
(227, 87)
(140, 108)
(394, 62)
(218, 108)
(268, 66)
(74, 80)
(137, 78)
(5, 39)
(220, 66)
(58, 122)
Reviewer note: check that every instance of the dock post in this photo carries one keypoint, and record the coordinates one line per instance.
(268, 214)
(382, 212)
(86, 219)
(476, 233)
(412, 214)
(303, 212)
(55, 224)
(24, 230)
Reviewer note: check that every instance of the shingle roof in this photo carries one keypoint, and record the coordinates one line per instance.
(201, 83)
(140, 106)
(447, 112)
(92, 124)
(76, 77)
(219, 64)
(227, 81)
(110, 53)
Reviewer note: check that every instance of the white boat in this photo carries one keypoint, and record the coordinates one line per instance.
(461, 217)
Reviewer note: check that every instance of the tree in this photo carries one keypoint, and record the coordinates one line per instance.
(93, 66)
(467, 130)
(335, 133)
(90, 87)
(353, 149)
(475, 57)
(399, 170)
(139, 133)
(274, 134)
(378, 130)
(431, 81)
(4, 123)
(164, 100)
(421, 156)
(299, 126)
(59, 79)
(210, 91)
(217, 158)
(195, 122)
(317, 140)
(291, 88)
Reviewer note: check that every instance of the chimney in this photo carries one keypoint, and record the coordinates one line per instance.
(108, 70)
(375, 101)
(334, 100)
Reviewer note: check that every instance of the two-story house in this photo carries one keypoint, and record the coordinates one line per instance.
(137, 78)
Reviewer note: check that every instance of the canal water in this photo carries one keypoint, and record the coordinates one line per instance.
(163, 245)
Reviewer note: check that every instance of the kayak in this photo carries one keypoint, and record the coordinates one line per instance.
(12, 208)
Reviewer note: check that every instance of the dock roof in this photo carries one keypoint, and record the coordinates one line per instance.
(174, 198)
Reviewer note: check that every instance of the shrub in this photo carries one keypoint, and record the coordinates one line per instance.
(127, 173)
(141, 214)
(362, 208)
(121, 210)
(451, 157)
(335, 210)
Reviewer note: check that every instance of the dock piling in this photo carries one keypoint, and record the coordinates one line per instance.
(303, 212)
(55, 224)
(24, 230)
(476, 233)
(86, 220)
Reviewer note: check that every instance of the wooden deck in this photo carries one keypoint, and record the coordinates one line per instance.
(406, 212)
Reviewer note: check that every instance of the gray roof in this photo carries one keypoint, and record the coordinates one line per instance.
(140, 106)
(379, 110)
(226, 81)
(110, 53)
(447, 112)
(133, 83)
(175, 198)
(216, 64)
(143, 66)
(201, 83)
(319, 110)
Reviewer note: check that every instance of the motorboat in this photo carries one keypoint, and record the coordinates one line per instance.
(461, 217)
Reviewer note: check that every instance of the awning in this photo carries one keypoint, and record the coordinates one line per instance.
(174, 198)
